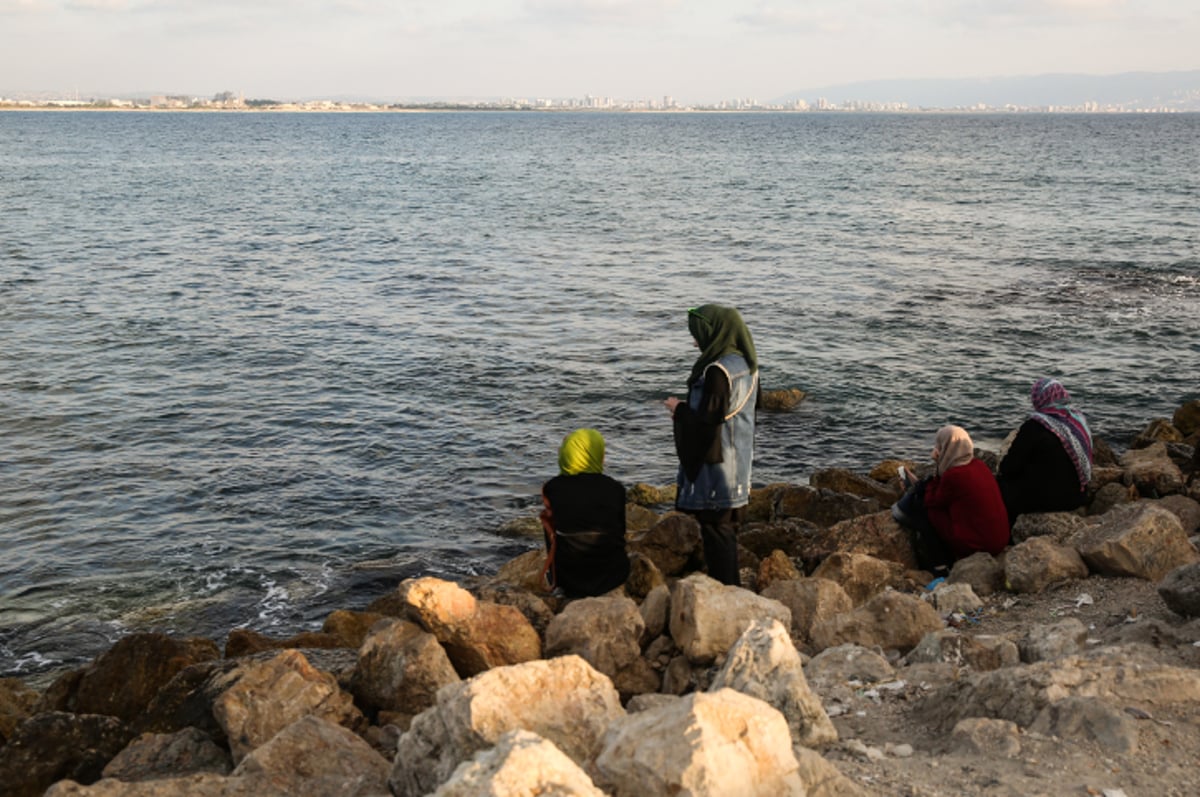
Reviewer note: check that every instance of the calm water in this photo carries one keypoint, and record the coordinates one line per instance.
(256, 367)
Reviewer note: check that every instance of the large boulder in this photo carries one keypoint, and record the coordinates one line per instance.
(57, 745)
(1140, 540)
(981, 571)
(400, 668)
(16, 704)
(860, 575)
(722, 742)
(1180, 590)
(266, 697)
(606, 632)
(764, 664)
(1152, 471)
(840, 480)
(951, 647)
(521, 764)
(1046, 642)
(1087, 718)
(246, 642)
(564, 700)
(810, 600)
(1061, 527)
(707, 617)
(350, 627)
(1038, 562)
(890, 620)
(876, 534)
(822, 507)
(123, 680)
(1019, 694)
(313, 750)
(521, 572)
(1185, 508)
(673, 544)
(476, 635)
(844, 663)
(162, 755)
(778, 566)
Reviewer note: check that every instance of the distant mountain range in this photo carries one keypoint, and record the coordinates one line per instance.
(1178, 91)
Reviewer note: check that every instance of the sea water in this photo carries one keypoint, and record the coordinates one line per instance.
(258, 366)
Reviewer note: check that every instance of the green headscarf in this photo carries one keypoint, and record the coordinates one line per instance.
(719, 331)
(582, 451)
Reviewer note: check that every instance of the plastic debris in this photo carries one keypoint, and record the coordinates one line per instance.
(1084, 600)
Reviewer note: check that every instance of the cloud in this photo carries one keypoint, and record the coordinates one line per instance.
(615, 13)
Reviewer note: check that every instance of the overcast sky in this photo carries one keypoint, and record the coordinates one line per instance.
(692, 50)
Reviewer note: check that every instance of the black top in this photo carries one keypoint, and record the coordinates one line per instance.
(587, 512)
(1037, 474)
(698, 433)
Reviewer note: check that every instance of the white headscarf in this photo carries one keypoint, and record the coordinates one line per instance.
(953, 447)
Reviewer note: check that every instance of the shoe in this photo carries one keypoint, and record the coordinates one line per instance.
(899, 516)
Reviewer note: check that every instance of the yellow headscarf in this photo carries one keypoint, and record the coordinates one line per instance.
(582, 451)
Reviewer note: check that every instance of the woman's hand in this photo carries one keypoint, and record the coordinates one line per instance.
(671, 403)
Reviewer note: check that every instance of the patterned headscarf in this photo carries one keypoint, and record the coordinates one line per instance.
(719, 331)
(954, 447)
(582, 451)
(1052, 409)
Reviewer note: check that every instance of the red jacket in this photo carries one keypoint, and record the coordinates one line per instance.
(966, 510)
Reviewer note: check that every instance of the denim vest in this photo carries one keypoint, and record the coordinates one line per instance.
(725, 484)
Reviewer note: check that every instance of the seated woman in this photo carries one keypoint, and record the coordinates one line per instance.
(1049, 464)
(956, 512)
(584, 521)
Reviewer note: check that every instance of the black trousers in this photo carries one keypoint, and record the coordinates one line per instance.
(718, 531)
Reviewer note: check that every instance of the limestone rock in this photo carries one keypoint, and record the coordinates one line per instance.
(1006, 650)
(1158, 430)
(840, 480)
(860, 575)
(1180, 590)
(644, 576)
(707, 617)
(762, 503)
(821, 778)
(776, 567)
(764, 664)
(523, 572)
(123, 680)
(162, 755)
(313, 748)
(782, 399)
(876, 534)
(655, 611)
(16, 704)
(56, 745)
(1061, 527)
(1053, 641)
(535, 608)
(722, 742)
(605, 632)
(1019, 694)
(1141, 540)
(564, 700)
(1111, 495)
(951, 647)
(1187, 418)
(521, 764)
(351, 627)
(889, 620)
(990, 738)
(809, 600)
(476, 634)
(955, 598)
(845, 663)
(1088, 718)
(787, 536)
(269, 696)
(673, 544)
(982, 571)
(639, 518)
(246, 642)
(825, 508)
(1038, 562)
(400, 668)
(1183, 507)
(642, 494)
(1152, 471)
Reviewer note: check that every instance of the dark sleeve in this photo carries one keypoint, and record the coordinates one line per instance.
(698, 432)
(1021, 452)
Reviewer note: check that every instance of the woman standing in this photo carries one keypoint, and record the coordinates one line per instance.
(714, 434)
(1049, 464)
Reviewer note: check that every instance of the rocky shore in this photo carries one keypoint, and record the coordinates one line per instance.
(1069, 665)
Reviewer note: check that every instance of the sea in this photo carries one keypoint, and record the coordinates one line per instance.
(255, 367)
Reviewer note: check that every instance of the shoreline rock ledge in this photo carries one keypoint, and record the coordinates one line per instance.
(838, 670)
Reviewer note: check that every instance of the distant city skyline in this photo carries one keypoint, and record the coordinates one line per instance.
(700, 52)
